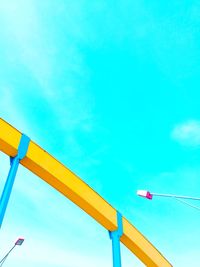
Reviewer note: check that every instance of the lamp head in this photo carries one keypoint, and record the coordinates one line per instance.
(145, 194)
(19, 241)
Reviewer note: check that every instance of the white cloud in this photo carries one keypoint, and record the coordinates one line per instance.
(29, 46)
(187, 133)
(68, 101)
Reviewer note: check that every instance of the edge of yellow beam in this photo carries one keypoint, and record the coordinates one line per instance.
(66, 182)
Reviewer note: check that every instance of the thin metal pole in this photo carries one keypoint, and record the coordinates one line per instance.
(115, 236)
(5, 257)
(175, 196)
(22, 149)
(188, 204)
(8, 187)
(116, 253)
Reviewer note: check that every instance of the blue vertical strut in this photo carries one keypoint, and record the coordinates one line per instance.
(115, 237)
(14, 163)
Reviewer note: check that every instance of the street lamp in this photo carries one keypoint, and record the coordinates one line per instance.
(149, 195)
(17, 243)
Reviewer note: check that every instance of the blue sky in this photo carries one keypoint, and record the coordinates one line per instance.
(110, 88)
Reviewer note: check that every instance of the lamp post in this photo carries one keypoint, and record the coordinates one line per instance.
(148, 195)
(17, 243)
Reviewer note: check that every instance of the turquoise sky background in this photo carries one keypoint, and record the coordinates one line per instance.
(111, 89)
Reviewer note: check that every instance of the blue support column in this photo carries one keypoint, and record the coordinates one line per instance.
(14, 163)
(115, 237)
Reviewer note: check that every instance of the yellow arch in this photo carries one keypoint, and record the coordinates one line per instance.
(66, 182)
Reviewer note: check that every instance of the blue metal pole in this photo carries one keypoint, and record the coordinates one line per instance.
(22, 149)
(115, 237)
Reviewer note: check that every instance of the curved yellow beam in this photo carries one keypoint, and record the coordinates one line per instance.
(66, 182)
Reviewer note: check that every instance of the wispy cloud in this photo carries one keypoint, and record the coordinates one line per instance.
(57, 68)
(57, 76)
(187, 133)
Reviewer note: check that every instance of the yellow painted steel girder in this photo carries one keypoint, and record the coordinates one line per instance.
(66, 182)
